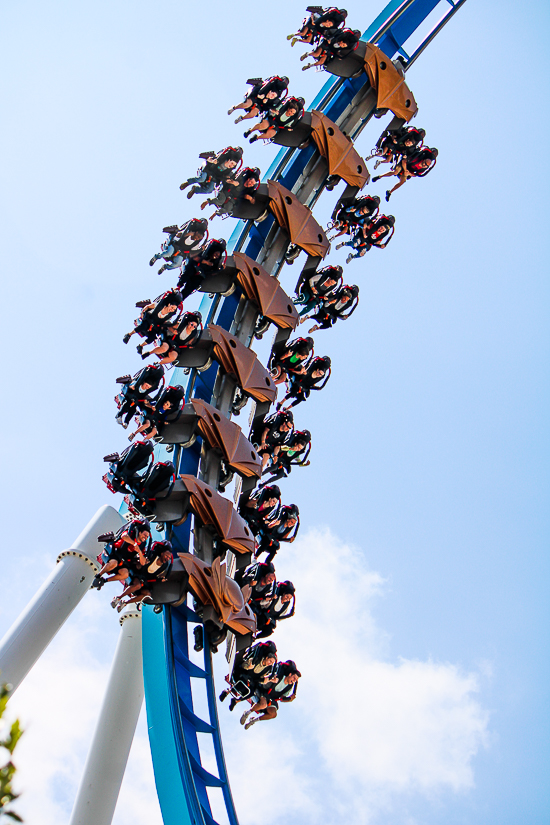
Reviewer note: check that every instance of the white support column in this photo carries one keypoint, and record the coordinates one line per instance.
(104, 770)
(52, 605)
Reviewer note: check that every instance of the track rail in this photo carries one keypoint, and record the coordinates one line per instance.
(182, 780)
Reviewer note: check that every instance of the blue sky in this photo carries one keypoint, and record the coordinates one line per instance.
(430, 457)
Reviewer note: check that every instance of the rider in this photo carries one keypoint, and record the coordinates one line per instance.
(278, 428)
(252, 669)
(396, 143)
(283, 528)
(211, 259)
(155, 316)
(374, 233)
(282, 607)
(247, 182)
(292, 360)
(319, 285)
(256, 662)
(410, 139)
(339, 306)
(339, 46)
(415, 165)
(282, 688)
(182, 242)
(264, 96)
(137, 391)
(315, 377)
(321, 23)
(294, 453)
(166, 410)
(155, 568)
(386, 149)
(284, 118)
(217, 168)
(123, 551)
(177, 338)
(357, 213)
(125, 470)
(261, 507)
(156, 485)
(261, 578)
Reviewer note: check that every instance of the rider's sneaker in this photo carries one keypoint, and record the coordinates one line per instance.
(245, 716)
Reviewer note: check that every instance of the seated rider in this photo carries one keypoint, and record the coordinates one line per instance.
(125, 470)
(283, 119)
(386, 150)
(321, 23)
(416, 165)
(247, 182)
(283, 528)
(282, 688)
(264, 95)
(409, 140)
(211, 260)
(251, 670)
(261, 507)
(155, 316)
(155, 568)
(156, 485)
(337, 47)
(167, 410)
(294, 452)
(137, 392)
(339, 306)
(315, 378)
(277, 429)
(281, 607)
(396, 143)
(292, 360)
(182, 242)
(319, 285)
(260, 576)
(177, 338)
(123, 551)
(374, 233)
(216, 169)
(358, 213)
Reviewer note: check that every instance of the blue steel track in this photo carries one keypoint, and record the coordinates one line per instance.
(182, 782)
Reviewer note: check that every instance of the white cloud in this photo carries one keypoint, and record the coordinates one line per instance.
(265, 782)
(366, 733)
(367, 728)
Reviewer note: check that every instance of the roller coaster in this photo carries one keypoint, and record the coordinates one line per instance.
(350, 102)
(221, 374)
